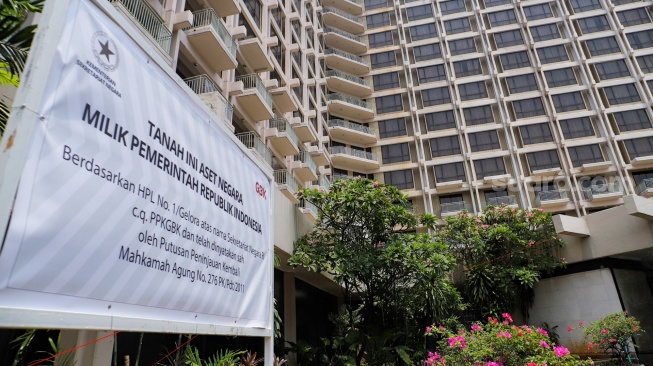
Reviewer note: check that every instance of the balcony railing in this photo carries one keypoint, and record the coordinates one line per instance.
(305, 157)
(283, 177)
(202, 84)
(453, 207)
(645, 184)
(351, 126)
(344, 75)
(308, 205)
(501, 201)
(344, 14)
(282, 125)
(601, 189)
(341, 177)
(149, 19)
(350, 100)
(333, 51)
(341, 32)
(549, 196)
(324, 182)
(253, 81)
(206, 17)
(353, 152)
(252, 141)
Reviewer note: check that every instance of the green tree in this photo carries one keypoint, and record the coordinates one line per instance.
(393, 284)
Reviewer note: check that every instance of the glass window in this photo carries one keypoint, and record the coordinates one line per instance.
(568, 102)
(450, 172)
(547, 159)
(612, 69)
(552, 54)
(440, 121)
(430, 74)
(585, 5)
(633, 17)
(382, 39)
(593, 24)
(621, 2)
(528, 108)
(535, 134)
(386, 81)
(389, 103)
(536, 12)
(478, 115)
(577, 127)
(377, 20)
(639, 40)
(491, 3)
(502, 18)
(515, 60)
(472, 91)
(422, 31)
(427, 52)
(587, 154)
(392, 128)
(485, 140)
(402, 179)
(602, 46)
(560, 77)
(467, 68)
(489, 167)
(639, 177)
(646, 63)
(459, 25)
(632, 120)
(621, 94)
(451, 199)
(521, 83)
(395, 153)
(383, 59)
(639, 147)
(545, 32)
(452, 7)
(462, 46)
(509, 38)
(444, 146)
(375, 4)
(435, 96)
(419, 12)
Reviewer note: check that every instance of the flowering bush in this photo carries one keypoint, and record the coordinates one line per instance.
(612, 334)
(500, 343)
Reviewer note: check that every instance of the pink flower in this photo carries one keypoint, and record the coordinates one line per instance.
(531, 364)
(530, 215)
(380, 244)
(544, 344)
(543, 332)
(358, 177)
(605, 331)
(457, 341)
(507, 317)
(504, 334)
(476, 328)
(428, 329)
(560, 351)
(491, 364)
(478, 221)
(531, 243)
(375, 184)
(441, 327)
(613, 340)
(570, 328)
(581, 323)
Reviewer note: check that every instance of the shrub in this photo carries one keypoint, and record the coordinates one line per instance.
(612, 334)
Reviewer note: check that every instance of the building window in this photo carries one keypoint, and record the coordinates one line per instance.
(478, 115)
(392, 128)
(577, 127)
(427, 52)
(528, 108)
(568, 102)
(632, 120)
(452, 7)
(535, 134)
(639, 40)
(383, 59)
(640, 177)
(491, 3)
(459, 25)
(375, 4)
(450, 172)
(593, 24)
(633, 17)
(422, 31)
(521, 83)
(622, 2)
(639, 147)
(547, 159)
(395, 153)
(430, 74)
(560, 77)
(462, 46)
(621, 94)
(485, 140)
(587, 154)
(472, 91)
(508, 39)
(454, 198)
(382, 39)
(389, 103)
(489, 167)
(467, 68)
(419, 12)
(602, 46)
(585, 5)
(377, 20)
(440, 121)
(515, 60)
(402, 179)
(435, 96)
(386, 81)
(545, 32)
(502, 18)
(612, 70)
(646, 63)
(552, 54)
(444, 146)
(536, 12)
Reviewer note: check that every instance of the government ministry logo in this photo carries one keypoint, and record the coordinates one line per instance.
(105, 51)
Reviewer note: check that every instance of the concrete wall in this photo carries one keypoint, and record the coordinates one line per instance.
(637, 299)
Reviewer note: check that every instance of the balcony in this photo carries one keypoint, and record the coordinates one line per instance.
(212, 41)
(282, 137)
(210, 94)
(309, 210)
(349, 107)
(546, 199)
(149, 20)
(645, 188)
(304, 167)
(321, 183)
(354, 7)
(287, 185)
(453, 208)
(319, 154)
(353, 159)
(341, 81)
(255, 54)
(346, 62)
(304, 129)
(602, 192)
(355, 133)
(335, 17)
(253, 142)
(255, 98)
(282, 99)
(334, 37)
(224, 7)
(509, 201)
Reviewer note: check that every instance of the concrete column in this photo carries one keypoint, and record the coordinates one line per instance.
(289, 312)
(95, 354)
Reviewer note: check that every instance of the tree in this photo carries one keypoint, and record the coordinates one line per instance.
(393, 283)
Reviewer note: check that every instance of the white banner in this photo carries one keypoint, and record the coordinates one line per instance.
(133, 203)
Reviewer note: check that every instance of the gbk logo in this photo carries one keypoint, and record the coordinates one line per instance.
(105, 51)
(260, 190)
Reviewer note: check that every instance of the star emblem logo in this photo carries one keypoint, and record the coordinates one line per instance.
(105, 50)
